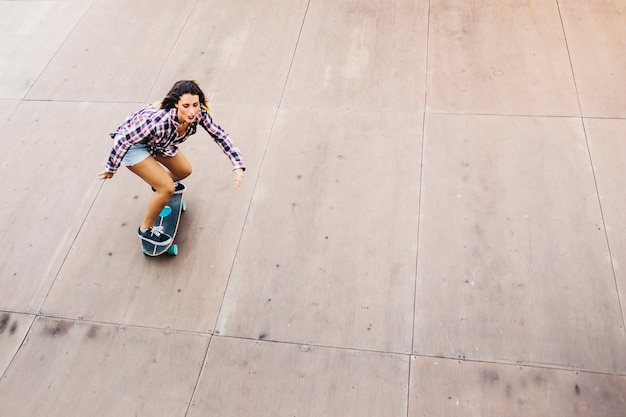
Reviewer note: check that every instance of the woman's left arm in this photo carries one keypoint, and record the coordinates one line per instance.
(223, 140)
(238, 177)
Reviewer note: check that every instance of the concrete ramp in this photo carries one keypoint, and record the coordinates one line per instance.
(431, 224)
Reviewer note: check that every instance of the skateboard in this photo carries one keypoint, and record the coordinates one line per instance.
(168, 218)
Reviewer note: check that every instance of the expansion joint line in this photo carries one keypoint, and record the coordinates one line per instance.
(593, 171)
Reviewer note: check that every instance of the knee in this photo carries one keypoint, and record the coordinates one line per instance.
(166, 189)
(170, 188)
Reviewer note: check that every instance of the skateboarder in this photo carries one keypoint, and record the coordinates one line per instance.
(147, 143)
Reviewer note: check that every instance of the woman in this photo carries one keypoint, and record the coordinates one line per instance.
(147, 143)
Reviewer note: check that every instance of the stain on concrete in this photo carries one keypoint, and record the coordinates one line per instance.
(4, 321)
(59, 328)
(489, 376)
(93, 332)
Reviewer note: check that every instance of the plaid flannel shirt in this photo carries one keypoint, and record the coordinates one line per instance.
(158, 128)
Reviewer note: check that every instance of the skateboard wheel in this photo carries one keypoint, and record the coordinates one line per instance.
(184, 205)
(173, 250)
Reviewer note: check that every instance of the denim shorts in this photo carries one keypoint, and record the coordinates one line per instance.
(137, 153)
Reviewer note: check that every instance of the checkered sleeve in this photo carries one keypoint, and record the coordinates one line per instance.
(222, 139)
(136, 128)
(120, 147)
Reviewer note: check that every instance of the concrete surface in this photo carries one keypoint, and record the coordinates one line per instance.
(432, 221)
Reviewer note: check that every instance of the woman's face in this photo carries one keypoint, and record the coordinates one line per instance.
(188, 108)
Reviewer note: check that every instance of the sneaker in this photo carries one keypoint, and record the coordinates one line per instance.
(155, 236)
(179, 187)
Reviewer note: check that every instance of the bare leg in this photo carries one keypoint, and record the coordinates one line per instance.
(178, 165)
(162, 180)
(154, 174)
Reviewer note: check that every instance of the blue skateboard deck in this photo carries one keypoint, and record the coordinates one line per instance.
(169, 219)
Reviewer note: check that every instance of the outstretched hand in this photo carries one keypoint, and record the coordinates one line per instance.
(238, 173)
(105, 175)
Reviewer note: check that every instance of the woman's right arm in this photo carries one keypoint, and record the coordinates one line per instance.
(136, 128)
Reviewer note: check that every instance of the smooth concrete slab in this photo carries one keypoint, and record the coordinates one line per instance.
(361, 56)
(443, 387)
(596, 39)
(49, 184)
(608, 153)
(6, 108)
(513, 261)
(328, 251)
(13, 329)
(239, 59)
(245, 377)
(92, 369)
(114, 53)
(107, 278)
(369, 267)
(506, 57)
(32, 31)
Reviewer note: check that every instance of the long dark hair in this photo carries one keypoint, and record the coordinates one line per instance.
(178, 89)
